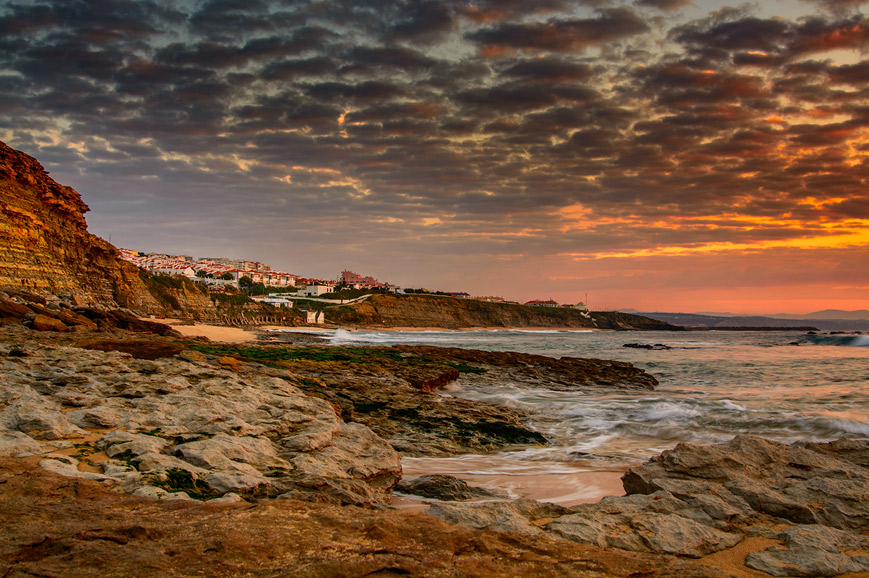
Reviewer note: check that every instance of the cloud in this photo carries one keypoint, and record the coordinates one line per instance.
(376, 127)
(561, 35)
(665, 5)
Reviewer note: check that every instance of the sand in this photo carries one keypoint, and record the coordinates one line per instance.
(219, 333)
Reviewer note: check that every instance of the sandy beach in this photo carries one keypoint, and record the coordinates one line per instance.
(219, 333)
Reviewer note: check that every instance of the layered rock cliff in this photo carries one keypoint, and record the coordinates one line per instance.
(45, 247)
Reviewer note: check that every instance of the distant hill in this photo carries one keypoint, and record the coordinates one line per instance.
(859, 315)
(722, 321)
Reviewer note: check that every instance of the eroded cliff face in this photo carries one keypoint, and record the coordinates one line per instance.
(45, 246)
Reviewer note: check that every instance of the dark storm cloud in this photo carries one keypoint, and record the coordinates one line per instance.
(549, 71)
(563, 35)
(229, 20)
(425, 23)
(92, 21)
(222, 55)
(291, 69)
(364, 58)
(854, 74)
(492, 10)
(369, 91)
(666, 5)
(679, 84)
(732, 33)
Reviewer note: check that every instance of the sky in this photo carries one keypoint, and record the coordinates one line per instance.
(661, 155)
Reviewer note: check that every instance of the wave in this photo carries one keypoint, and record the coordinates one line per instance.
(840, 340)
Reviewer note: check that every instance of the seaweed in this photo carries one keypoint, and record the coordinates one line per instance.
(180, 480)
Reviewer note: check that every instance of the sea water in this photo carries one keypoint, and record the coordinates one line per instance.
(713, 385)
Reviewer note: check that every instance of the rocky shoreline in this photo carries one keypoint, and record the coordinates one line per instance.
(223, 431)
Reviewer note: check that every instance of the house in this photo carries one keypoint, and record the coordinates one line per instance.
(490, 299)
(274, 301)
(315, 290)
(167, 269)
(542, 303)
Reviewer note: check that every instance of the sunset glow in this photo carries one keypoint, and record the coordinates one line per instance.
(655, 154)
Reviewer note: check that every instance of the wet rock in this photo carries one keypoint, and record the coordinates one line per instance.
(446, 488)
(649, 346)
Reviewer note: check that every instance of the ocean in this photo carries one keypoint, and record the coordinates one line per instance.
(713, 386)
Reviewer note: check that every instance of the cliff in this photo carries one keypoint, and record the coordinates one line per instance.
(452, 313)
(45, 248)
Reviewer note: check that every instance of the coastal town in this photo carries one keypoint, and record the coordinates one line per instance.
(279, 288)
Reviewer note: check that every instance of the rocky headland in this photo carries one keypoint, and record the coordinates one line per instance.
(453, 313)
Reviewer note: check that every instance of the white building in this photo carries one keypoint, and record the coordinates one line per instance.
(275, 301)
(316, 290)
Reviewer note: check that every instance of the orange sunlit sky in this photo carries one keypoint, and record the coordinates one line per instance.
(661, 155)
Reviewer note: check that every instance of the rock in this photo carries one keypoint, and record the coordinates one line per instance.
(13, 443)
(38, 417)
(218, 451)
(658, 523)
(156, 462)
(656, 346)
(51, 527)
(228, 498)
(446, 488)
(67, 466)
(183, 423)
(138, 348)
(159, 494)
(123, 443)
(812, 551)
(484, 516)
(11, 309)
(45, 323)
(695, 500)
(95, 417)
(805, 483)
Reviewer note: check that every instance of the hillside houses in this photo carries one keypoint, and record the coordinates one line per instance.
(223, 274)
(209, 270)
